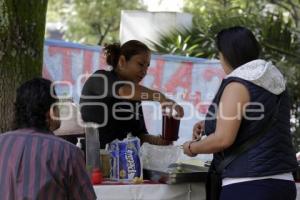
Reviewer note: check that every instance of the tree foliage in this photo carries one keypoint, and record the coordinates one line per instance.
(91, 22)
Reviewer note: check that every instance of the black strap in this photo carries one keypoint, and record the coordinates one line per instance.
(240, 149)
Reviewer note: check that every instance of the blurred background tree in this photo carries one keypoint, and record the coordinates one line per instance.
(22, 29)
(90, 22)
(274, 22)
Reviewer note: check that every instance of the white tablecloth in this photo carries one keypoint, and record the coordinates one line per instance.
(193, 191)
(298, 191)
(188, 191)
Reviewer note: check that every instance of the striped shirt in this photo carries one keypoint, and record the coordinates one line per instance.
(36, 165)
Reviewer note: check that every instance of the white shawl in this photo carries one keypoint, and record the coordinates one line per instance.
(261, 73)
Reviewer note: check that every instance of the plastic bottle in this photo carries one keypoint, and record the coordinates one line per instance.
(92, 147)
(79, 144)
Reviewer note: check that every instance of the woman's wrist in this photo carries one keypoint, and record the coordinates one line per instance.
(190, 148)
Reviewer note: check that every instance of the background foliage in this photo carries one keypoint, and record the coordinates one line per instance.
(91, 22)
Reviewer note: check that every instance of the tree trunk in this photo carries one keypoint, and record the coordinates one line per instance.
(22, 29)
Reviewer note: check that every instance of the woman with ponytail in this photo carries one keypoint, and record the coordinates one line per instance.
(112, 99)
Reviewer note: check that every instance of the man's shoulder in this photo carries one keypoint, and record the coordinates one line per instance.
(30, 134)
(56, 139)
(17, 133)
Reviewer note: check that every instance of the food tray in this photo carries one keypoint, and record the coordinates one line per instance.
(177, 173)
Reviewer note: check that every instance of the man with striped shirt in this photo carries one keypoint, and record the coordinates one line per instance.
(35, 164)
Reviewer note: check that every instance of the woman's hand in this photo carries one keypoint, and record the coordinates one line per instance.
(167, 103)
(198, 130)
(187, 149)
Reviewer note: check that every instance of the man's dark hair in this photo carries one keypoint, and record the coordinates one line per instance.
(33, 101)
(238, 45)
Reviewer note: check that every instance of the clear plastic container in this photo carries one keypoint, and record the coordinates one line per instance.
(92, 147)
(105, 162)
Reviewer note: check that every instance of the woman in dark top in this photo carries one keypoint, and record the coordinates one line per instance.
(242, 107)
(112, 99)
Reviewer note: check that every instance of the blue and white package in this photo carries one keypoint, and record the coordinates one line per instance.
(125, 159)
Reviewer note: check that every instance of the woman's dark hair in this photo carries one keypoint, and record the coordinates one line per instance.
(128, 49)
(33, 101)
(238, 45)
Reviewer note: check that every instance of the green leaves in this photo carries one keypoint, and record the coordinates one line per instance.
(186, 43)
(275, 31)
(91, 22)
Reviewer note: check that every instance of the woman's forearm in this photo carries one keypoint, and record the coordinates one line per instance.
(211, 144)
(153, 139)
(137, 92)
